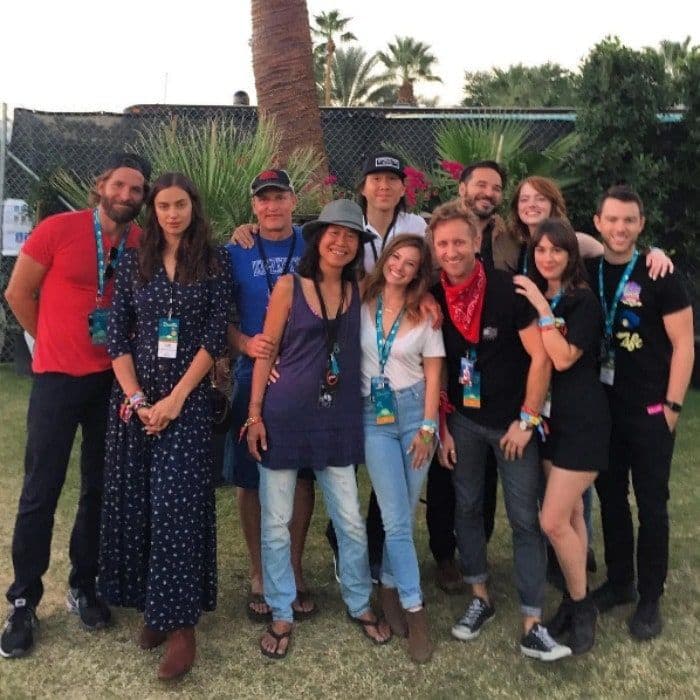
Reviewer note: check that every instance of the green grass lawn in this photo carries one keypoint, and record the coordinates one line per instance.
(329, 657)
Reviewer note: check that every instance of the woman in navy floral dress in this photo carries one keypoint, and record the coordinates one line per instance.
(167, 324)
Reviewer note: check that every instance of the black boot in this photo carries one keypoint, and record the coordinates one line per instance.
(583, 621)
(560, 624)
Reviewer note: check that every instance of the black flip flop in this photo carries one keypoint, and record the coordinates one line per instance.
(278, 636)
(254, 615)
(304, 597)
(371, 623)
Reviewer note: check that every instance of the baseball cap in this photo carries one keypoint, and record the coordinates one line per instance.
(278, 179)
(129, 160)
(384, 161)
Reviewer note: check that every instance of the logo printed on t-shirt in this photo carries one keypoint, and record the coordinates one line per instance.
(630, 294)
(275, 266)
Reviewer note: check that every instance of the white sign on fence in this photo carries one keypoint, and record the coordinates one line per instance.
(16, 225)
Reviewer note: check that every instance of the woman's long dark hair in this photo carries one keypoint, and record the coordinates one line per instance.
(562, 235)
(196, 260)
(309, 265)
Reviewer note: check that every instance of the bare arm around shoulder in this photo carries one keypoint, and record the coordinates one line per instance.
(22, 291)
(679, 328)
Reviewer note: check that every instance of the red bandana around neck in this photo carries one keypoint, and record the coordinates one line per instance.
(465, 302)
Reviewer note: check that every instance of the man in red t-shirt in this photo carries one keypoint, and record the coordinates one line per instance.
(60, 291)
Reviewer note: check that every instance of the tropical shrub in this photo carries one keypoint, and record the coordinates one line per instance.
(622, 92)
(222, 161)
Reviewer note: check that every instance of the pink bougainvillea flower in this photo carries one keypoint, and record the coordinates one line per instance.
(330, 180)
(452, 168)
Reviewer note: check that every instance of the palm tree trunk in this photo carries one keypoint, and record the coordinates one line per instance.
(284, 74)
(405, 95)
(330, 51)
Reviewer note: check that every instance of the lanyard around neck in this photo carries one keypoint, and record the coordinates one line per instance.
(384, 344)
(101, 267)
(330, 326)
(554, 301)
(389, 231)
(609, 314)
(266, 265)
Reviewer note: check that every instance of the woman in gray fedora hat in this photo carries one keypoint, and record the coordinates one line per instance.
(312, 416)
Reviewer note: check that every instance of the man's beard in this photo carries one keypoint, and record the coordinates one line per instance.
(480, 213)
(119, 213)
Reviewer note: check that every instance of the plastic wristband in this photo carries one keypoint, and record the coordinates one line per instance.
(533, 419)
(545, 321)
(426, 436)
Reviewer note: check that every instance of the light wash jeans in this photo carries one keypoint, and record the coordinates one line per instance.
(522, 483)
(339, 487)
(398, 487)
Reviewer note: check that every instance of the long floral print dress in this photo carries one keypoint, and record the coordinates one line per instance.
(158, 536)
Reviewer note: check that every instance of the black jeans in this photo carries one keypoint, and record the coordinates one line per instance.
(58, 404)
(440, 507)
(642, 445)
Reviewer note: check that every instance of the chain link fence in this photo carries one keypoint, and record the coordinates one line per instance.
(34, 145)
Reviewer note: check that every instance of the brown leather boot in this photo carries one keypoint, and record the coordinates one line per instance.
(179, 654)
(393, 612)
(420, 648)
(150, 639)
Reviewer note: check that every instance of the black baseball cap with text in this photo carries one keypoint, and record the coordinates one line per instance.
(384, 161)
(272, 178)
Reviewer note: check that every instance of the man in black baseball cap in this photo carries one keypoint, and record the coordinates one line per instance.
(274, 178)
(383, 161)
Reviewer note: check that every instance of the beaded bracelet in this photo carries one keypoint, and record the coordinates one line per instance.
(251, 420)
(545, 321)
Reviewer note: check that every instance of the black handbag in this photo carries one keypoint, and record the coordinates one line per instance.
(220, 407)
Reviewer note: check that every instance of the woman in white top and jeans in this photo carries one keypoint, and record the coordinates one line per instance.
(400, 375)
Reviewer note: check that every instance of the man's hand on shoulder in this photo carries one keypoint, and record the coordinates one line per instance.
(244, 235)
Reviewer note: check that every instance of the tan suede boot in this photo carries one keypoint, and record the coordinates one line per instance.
(420, 648)
(393, 612)
(150, 639)
(179, 654)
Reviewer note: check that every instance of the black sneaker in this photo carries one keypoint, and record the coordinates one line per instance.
(646, 623)
(475, 617)
(538, 644)
(89, 607)
(18, 632)
(560, 623)
(609, 596)
(583, 624)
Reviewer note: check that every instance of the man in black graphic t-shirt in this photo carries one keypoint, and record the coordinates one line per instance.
(646, 364)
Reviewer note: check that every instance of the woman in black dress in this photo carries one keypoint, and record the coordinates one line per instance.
(576, 448)
(166, 326)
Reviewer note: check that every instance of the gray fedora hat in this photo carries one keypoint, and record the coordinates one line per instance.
(341, 212)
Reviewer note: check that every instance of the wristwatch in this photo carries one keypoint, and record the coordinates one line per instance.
(673, 406)
(524, 425)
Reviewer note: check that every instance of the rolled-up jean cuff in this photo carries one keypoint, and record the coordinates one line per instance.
(289, 619)
(529, 611)
(387, 580)
(364, 609)
(478, 578)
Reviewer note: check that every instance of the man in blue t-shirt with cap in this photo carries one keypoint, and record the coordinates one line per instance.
(276, 251)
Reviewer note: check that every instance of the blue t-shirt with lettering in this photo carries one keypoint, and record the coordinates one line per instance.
(251, 283)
